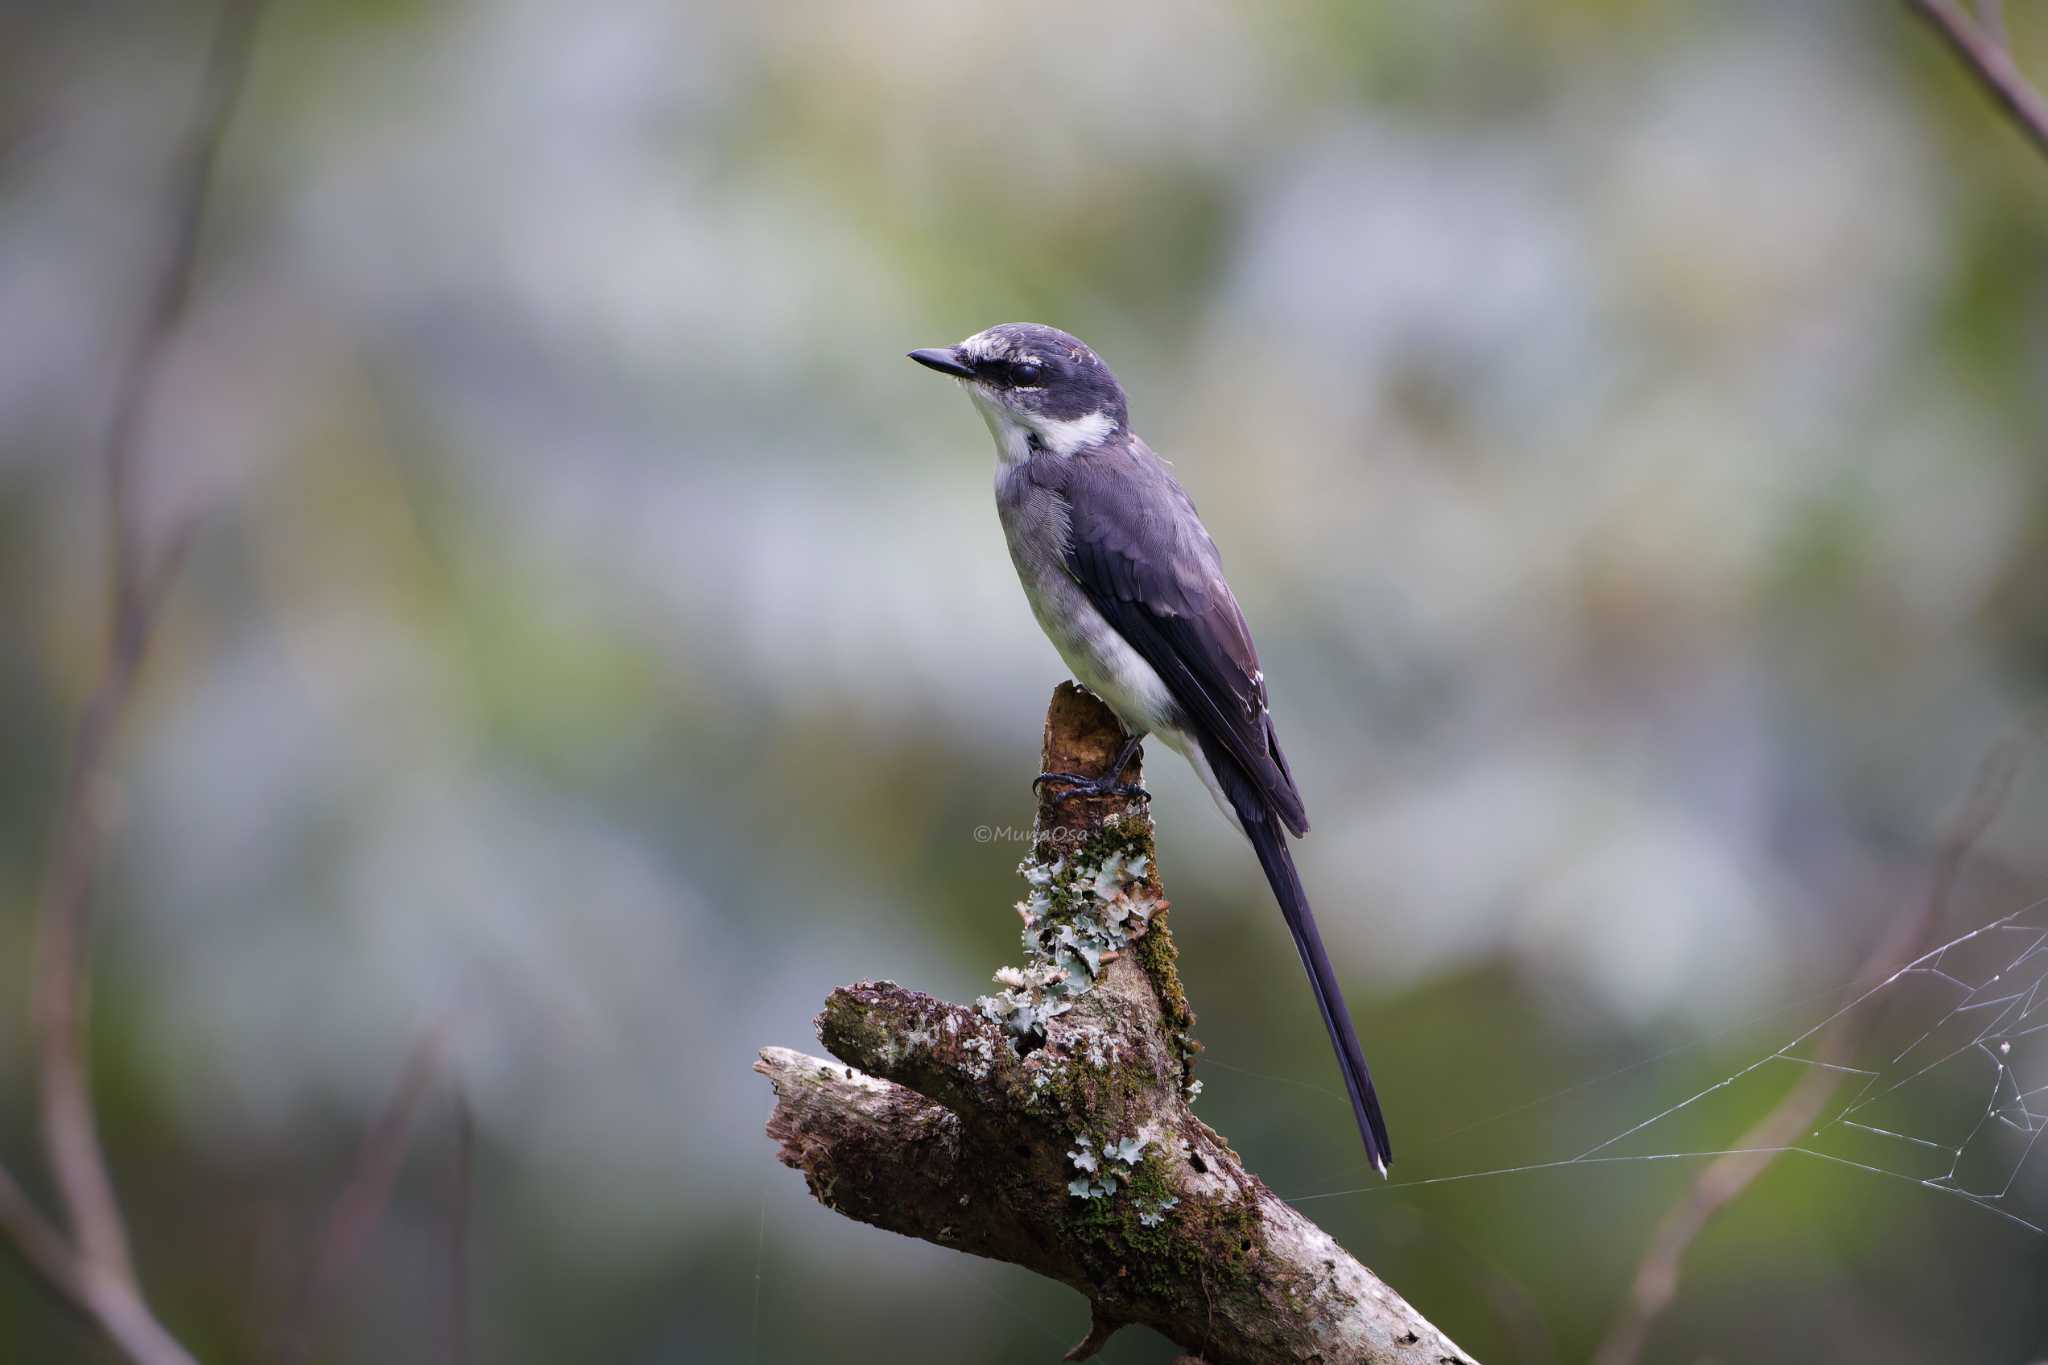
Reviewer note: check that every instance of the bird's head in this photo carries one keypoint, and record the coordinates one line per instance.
(1037, 388)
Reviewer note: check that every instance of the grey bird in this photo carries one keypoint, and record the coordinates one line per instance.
(1126, 582)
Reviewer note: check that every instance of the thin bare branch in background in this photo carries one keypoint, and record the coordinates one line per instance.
(40, 1244)
(93, 1267)
(1991, 18)
(116, 1310)
(70, 1133)
(227, 66)
(461, 1207)
(372, 1177)
(1657, 1275)
(1980, 44)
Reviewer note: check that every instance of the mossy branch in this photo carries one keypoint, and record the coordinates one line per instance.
(1048, 1125)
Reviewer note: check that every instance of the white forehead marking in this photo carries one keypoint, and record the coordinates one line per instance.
(983, 346)
(993, 344)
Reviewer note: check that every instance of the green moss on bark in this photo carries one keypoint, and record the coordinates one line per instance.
(1195, 1246)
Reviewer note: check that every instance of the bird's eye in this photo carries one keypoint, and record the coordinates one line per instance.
(1026, 372)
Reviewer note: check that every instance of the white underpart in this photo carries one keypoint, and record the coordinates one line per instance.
(1185, 744)
(1106, 665)
(1104, 662)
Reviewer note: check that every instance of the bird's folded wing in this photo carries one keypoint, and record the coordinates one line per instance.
(1143, 557)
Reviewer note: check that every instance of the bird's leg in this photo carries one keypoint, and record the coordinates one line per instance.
(1110, 783)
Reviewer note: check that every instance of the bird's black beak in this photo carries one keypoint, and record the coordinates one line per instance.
(945, 360)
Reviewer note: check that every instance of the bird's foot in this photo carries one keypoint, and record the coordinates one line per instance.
(1076, 785)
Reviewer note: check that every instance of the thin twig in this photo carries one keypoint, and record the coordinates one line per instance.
(1657, 1275)
(97, 1273)
(1981, 48)
(460, 1212)
(372, 1176)
(97, 1297)
(191, 182)
(40, 1244)
(1991, 19)
(70, 1133)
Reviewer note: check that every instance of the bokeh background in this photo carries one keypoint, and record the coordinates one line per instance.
(1626, 426)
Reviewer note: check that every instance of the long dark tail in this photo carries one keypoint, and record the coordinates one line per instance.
(1266, 836)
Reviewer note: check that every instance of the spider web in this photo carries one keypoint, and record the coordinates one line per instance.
(1943, 1083)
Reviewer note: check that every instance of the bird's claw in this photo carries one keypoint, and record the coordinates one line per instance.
(1077, 785)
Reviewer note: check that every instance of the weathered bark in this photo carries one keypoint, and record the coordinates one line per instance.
(1049, 1126)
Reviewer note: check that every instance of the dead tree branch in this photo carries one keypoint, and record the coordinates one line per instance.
(1721, 1183)
(92, 1267)
(1049, 1125)
(1980, 44)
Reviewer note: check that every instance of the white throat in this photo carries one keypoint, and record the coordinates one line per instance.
(1013, 438)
